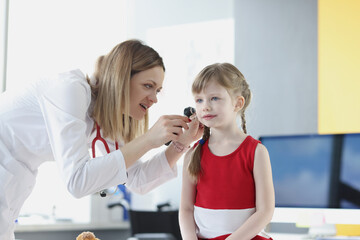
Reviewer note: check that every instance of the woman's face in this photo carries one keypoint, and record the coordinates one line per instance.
(144, 86)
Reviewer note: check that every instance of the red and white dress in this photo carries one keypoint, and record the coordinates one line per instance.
(225, 192)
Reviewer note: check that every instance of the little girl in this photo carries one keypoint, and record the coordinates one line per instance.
(227, 188)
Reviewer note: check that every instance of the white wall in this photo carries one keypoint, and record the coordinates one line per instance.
(3, 36)
(161, 13)
(48, 37)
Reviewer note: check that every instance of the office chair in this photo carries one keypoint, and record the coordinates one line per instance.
(152, 225)
(155, 225)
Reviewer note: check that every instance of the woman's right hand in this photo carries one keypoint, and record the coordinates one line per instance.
(167, 128)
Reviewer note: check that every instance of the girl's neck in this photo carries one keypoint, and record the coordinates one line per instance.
(222, 143)
(230, 134)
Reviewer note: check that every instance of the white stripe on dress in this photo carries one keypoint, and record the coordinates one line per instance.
(213, 223)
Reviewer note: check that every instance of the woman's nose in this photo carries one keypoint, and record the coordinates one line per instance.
(153, 98)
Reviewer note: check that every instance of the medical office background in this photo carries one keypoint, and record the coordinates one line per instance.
(300, 57)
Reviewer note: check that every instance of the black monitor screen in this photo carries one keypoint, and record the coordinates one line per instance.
(350, 172)
(315, 170)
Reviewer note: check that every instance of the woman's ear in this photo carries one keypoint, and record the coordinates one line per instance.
(239, 103)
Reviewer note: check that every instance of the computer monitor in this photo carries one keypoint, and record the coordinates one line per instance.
(316, 174)
(301, 167)
(349, 189)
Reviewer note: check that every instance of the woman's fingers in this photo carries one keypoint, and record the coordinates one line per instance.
(178, 121)
(172, 117)
(168, 128)
(176, 130)
(196, 128)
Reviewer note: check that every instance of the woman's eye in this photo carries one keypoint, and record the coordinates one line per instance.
(148, 86)
(214, 98)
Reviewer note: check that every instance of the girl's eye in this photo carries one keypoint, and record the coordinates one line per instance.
(158, 91)
(148, 86)
(214, 98)
(198, 100)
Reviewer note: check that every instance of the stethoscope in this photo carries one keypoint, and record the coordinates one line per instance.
(101, 139)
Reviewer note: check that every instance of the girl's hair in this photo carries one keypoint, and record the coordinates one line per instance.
(229, 77)
(111, 91)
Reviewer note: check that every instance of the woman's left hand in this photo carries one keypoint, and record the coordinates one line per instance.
(195, 131)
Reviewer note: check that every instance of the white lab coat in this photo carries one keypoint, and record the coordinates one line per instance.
(50, 120)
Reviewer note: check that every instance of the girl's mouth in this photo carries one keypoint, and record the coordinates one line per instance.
(208, 117)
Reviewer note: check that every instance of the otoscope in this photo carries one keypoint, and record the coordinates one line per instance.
(187, 112)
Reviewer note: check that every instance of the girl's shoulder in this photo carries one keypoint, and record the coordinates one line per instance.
(252, 139)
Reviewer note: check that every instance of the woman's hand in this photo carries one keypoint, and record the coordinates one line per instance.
(167, 128)
(195, 131)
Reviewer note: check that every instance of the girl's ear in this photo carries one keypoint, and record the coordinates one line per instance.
(239, 103)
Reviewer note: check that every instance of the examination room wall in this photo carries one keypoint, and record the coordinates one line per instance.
(43, 42)
(276, 44)
(277, 47)
(301, 59)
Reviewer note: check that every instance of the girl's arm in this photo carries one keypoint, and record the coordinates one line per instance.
(265, 199)
(186, 211)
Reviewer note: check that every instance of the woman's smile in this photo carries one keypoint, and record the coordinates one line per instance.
(144, 107)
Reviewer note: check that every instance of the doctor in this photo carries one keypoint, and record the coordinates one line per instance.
(62, 118)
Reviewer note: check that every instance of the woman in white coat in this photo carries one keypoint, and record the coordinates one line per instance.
(62, 118)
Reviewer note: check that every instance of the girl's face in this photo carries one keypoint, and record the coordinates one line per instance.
(144, 86)
(214, 106)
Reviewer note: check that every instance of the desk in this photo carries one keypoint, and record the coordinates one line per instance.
(61, 231)
(69, 226)
(287, 236)
(282, 231)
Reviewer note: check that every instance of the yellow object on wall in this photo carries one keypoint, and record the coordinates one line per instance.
(338, 66)
(348, 229)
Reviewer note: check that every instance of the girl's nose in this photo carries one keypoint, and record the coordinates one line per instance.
(206, 106)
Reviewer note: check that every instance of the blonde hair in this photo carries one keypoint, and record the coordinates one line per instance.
(111, 91)
(229, 77)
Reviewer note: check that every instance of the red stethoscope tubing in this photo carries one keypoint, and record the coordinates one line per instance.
(98, 137)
